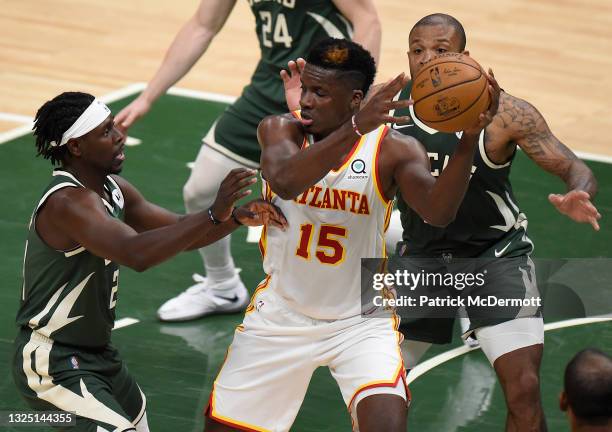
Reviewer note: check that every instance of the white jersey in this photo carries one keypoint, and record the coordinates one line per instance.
(315, 265)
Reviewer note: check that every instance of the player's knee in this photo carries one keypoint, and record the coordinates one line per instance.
(382, 412)
(198, 196)
(390, 422)
(523, 391)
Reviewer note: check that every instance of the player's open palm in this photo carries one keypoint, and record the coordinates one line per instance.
(232, 189)
(577, 205)
(293, 83)
(376, 110)
(260, 212)
(128, 115)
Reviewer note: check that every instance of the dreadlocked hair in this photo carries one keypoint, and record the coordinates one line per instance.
(53, 119)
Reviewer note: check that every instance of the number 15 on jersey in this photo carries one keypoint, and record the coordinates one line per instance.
(328, 250)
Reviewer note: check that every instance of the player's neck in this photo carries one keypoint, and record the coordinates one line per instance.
(90, 178)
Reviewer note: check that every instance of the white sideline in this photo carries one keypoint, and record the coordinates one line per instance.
(436, 361)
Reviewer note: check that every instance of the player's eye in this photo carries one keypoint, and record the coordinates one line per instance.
(417, 51)
(442, 50)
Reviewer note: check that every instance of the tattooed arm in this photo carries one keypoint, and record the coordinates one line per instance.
(526, 127)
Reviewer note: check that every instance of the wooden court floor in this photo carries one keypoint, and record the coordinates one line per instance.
(553, 53)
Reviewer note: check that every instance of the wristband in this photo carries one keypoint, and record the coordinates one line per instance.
(235, 218)
(355, 126)
(212, 218)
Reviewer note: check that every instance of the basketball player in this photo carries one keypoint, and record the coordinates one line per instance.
(286, 30)
(333, 171)
(489, 224)
(87, 223)
(587, 391)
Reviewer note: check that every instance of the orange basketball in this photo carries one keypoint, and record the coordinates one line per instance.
(450, 92)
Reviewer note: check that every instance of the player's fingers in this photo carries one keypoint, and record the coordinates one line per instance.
(594, 223)
(292, 68)
(400, 104)
(301, 63)
(236, 175)
(244, 183)
(392, 87)
(278, 216)
(397, 119)
(285, 76)
(124, 122)
(555, 198)
(241, 194)
(580, 194)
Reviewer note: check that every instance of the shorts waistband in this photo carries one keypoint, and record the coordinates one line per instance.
(38, 337)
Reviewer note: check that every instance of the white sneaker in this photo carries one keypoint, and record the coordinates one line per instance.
(200, 300)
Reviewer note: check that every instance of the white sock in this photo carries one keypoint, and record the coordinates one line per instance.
(218, 261)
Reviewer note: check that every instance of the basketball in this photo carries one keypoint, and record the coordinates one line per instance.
(450, 92)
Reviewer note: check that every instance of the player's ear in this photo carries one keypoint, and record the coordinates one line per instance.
(563, 401)
(357, 98)
(74, 146)
(466, 52)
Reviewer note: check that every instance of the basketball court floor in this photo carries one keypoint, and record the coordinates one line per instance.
(102, 48)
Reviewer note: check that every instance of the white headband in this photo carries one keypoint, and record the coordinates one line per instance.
(91, 118)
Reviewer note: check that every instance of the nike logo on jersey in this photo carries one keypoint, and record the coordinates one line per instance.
(501, 252)
(401, 126)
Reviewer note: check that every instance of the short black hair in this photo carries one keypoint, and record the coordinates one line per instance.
(352, 62)
(444, 19)
(588, 386)
(54, 118)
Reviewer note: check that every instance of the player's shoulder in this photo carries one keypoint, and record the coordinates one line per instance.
(288, 123)
(400, 147)
(68, 199)
(397, 139)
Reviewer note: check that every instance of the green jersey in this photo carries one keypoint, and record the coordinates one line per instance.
(286, 30)
(488, 214)
(69, 296)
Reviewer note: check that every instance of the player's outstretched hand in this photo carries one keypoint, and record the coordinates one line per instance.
(260, 212)
(232, 189)
(128, 115)
(577, 205)
(292, 83)
(376, 110)
(487, 117)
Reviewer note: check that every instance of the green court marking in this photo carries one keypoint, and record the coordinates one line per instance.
(176, 364)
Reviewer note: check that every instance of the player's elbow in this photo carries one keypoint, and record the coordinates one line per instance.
(441, 219)
(136, 262)
(284, 189)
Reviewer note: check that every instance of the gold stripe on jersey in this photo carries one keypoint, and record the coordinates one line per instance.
(263, 242)
(356, 147)
(388, 215)
(261, 287)
(377, 183)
